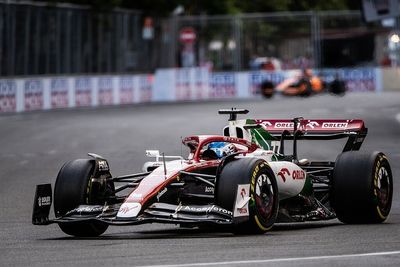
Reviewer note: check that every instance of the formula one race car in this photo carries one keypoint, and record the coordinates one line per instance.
(304, 84)
(242, 181)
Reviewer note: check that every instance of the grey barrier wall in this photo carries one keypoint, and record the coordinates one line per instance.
(166, 85)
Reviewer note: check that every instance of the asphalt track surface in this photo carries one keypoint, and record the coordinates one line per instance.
(33, 146)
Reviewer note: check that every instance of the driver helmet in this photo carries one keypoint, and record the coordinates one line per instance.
(222, 149)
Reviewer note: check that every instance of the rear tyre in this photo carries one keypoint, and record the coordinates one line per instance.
(305, 88)
(263, 203)
(337, 87)
(73, 188)
(267, 89)
(362, 187)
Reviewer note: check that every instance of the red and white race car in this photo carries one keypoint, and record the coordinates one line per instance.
(303, 83)
(242, 179)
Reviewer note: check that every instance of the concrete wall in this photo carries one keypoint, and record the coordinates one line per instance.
(167, 85)
(391, 79)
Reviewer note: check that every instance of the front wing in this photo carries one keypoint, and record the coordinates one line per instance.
(157, 212)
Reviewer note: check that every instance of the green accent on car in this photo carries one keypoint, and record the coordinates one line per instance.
(252, 202)
(278, 157)
(308, 187)
(260, 136)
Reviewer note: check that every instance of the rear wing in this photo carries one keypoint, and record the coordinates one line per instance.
(312, 127)
(264, 131)
(306, 129)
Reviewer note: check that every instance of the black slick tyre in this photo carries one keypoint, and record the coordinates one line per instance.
(264, 200)
(267, 89)
(72, 189)
(362, 187)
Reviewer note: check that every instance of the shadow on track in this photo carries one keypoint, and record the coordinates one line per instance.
(203, 232)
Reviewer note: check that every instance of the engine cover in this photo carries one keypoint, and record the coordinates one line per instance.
(290, 178)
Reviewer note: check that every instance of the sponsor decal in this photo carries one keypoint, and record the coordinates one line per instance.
(33, 93)
(309, 125)
(284, 125)
(266, 124)
(234, 140)
(105, 91)
(182, 91)
(221, 210)
(243, 193)
(59, 93)
(196, 209)
(145, 88)
(103, 165)
(284, 173)
(83, 92)
(298, 175)
(222, 85)
(380, 172)
(209, 189)
(242, 201)
(129, 209)
(312, 124)
(201, 85)
(356, 79)
(8, 91)
(161, 193)
(126, 90)
(88, 209)
(330, 125)
(242, 212)
(203, 209)
(44, 201)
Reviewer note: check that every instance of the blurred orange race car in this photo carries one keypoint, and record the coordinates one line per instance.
(302, 84)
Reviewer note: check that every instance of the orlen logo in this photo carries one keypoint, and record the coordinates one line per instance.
(283, 172)
(296, 174)
(312, 124)
(330, 125)
(266, 124)
(284, 125)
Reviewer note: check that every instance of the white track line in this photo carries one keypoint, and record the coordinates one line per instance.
(280, 259)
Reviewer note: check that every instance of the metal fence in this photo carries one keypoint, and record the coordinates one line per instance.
(40, 39)
(287, 40)
(44, 39)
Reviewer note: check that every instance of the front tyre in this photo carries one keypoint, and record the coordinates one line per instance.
(73, 188)
(263, 203)
(362, 187)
